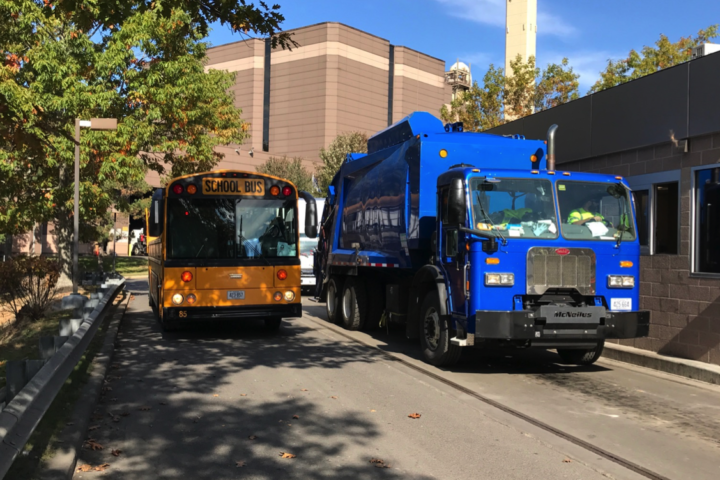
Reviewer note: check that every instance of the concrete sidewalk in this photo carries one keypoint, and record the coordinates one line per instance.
(702, 371)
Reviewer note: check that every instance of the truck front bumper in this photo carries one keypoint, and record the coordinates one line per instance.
(545, 324)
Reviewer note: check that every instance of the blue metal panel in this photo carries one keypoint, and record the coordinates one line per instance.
(416, 123)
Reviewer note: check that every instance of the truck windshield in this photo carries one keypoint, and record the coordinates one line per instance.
(229, 228)
(517, 207)
(595, 211)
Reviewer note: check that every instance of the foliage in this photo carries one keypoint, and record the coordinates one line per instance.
(334, 156)
(500, 99)
(292, 170)
(138, 61)
(28, 285)
(651, 59)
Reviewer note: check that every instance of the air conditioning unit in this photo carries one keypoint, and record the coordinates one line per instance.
(705, 49)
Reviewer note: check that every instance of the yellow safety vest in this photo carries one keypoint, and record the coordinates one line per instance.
(582, 214)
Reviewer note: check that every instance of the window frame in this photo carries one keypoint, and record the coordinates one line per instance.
(650, 182)
(694, 238)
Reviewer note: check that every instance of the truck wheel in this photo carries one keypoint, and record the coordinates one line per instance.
(581, 357)
(352, 311)
(435, 334)
(332, 303)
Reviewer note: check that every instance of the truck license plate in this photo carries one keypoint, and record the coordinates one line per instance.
(621, 304)
(236, 295)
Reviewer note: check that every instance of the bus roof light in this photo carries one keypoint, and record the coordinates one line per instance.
(287, 191)
(192, 189)
(177, 189)
(275, 190)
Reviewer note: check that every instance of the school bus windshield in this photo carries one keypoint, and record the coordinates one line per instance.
(231, 228)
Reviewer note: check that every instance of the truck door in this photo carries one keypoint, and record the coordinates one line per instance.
(452, 249)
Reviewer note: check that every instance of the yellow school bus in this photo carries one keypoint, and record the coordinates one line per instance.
(224, 245)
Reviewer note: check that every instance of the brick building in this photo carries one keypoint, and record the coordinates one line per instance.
(662, 133)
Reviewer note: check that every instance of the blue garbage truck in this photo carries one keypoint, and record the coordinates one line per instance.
(477, 240)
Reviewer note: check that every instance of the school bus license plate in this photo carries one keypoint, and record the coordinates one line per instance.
(236, 295)
(233, 186)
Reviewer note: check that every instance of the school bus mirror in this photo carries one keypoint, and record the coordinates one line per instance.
(155, 226)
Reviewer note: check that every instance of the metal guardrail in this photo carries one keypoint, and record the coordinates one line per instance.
(23, 413)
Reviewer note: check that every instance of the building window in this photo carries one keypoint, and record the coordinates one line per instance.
(666, 218)
(657, 207)
(706, 227)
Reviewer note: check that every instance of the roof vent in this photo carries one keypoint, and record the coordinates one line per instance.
(705, 49)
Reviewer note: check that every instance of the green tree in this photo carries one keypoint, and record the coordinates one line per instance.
(334, 156)
(139, 62)
(292, 170)
(651, 59)
(501, 99)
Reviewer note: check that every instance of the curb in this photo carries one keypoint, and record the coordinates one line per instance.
(701, 371)
(69, 441)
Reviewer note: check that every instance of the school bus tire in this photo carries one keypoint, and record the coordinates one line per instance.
(272, 324)
(332, 302)
(353, 304)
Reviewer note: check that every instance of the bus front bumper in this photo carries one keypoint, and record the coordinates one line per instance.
(548, 324)
(178, 314)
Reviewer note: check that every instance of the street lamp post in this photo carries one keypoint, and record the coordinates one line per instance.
(92, 124)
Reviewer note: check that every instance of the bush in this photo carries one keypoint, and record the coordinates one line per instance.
(27, 285)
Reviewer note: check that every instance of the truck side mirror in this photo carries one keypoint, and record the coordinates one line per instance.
(456, 203)
(155, 219)
(311, 229)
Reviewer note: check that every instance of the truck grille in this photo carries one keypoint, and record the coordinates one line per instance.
(547, 269)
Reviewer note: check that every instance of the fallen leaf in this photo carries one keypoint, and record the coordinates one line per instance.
(567, 460)
(242, 395)
(93, 427)
(376, 460)
(379, 463)
(101, 468)
(414, 415)
(144, 409)
(287, 455)
(116, 452)
(373, 411)
(216, 395)
(239, 464)
(92, 444)
(252, 437)
(334, 397)
(295, 417)
(84, 468)
(304, 389)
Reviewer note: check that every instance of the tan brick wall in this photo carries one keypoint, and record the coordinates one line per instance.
(685, 310)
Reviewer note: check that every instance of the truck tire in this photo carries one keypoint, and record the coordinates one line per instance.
(352, 304)
(435, 334)
(581, 357)
(375, 293)
(332, 302)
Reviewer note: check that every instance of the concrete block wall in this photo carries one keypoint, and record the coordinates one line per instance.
(685, 318)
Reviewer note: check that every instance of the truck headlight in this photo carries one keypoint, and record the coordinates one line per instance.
(621, 281)
(499, 279)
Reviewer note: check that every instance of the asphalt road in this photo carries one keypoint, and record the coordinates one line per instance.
(193, 403)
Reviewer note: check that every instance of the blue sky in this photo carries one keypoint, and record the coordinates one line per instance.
(587, 32)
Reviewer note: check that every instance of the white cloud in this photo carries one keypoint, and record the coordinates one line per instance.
(587, 63)
(492, 12)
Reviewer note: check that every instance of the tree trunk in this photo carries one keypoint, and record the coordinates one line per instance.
(64, 235)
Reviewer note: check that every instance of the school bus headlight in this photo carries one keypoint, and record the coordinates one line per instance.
(278, 296)
(497, 279)
(191, 299)
(177, 299)
(289, 296)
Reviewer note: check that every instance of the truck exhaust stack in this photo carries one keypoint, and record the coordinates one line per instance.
(551, 147)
